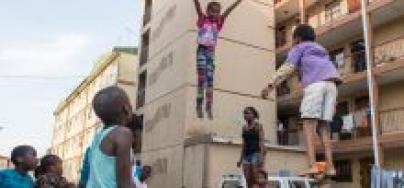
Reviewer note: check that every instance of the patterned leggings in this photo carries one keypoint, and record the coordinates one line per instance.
(206, 70)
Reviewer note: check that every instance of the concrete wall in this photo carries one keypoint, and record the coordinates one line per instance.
(244, 61)
(195, 166)
(167, 165)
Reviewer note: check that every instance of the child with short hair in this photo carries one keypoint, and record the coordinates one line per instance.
(209, 25)
(24, 159)
(50, 173)
(319, 77)
(110, 151)
(253, 151)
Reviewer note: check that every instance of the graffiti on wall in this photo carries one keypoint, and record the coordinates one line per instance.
(166, 62)
(163, 112)
(168, 16)
(159, 166)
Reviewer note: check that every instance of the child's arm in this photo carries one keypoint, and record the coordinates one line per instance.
(198, 8)
(239, 162)
(230, 9)
(283, 73)
(262, 142)
(123, 143)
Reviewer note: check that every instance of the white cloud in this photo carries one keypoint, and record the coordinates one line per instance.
(54, 57)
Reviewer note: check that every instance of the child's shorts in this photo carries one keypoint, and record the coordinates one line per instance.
(319, 101)
(252, 159)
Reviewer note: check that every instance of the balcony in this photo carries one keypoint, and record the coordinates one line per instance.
(343, 25)
(286, 9)
(389, 67)
(392, 120)
(360, 138)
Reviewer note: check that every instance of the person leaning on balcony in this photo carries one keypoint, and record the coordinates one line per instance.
(319, 78)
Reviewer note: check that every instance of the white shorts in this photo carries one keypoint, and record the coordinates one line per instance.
(319, 101)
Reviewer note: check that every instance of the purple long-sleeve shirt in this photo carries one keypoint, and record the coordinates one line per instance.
(313, 62)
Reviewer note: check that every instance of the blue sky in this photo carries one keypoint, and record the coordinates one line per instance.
(46, 47)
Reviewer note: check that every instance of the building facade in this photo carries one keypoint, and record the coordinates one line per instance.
(183, 150)
(5, 162)
(339, 28)
(75, 121)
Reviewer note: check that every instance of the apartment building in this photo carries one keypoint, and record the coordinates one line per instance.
(5, 162)
(339, 28)
(75, 121)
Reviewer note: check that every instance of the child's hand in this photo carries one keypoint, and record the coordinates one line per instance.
(265, 91)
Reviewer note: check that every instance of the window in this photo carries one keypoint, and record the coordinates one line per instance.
(358, 55)
(138, 133)
(141, 91)
(354, 5)
(281, 36)
(344, 171)
(333, 10)
(144, 53)
(147, 12)
(337, 57)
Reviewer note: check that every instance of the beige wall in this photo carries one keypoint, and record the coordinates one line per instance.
(244, 61)
(5, 163)
(176, 18)
(167, 165)
(391, 95)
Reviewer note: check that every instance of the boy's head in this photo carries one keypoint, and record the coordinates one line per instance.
(262, 177)
(250, 114)
(112, 106)
(24, 157)
(213, 10)
(304, 33)
(50, 164)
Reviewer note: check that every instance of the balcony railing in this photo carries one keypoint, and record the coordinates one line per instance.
(392, 120)
(389, 51)
(289, 137)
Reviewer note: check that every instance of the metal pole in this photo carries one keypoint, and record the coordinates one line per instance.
(365, 22)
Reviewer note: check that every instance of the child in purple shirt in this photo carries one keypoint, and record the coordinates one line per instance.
(209, 26)
(319, 77)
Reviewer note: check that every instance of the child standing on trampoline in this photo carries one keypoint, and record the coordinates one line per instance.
(319, 77)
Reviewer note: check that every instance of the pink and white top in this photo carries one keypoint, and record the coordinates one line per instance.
(208, 31)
